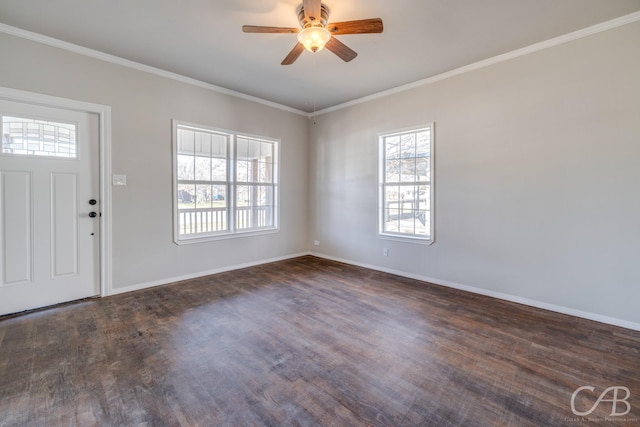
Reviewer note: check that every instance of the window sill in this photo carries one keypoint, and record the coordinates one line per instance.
(406, 239)
(226, 236)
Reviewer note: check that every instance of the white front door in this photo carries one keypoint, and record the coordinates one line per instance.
(49, 206)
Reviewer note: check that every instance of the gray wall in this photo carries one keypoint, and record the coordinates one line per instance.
(536, 169)
(537, 174)
(143, 106)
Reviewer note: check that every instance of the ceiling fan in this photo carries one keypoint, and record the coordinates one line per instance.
(315, 33)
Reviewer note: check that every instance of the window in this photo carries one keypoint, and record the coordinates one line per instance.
(29, 137)
(225, 184)
(406, 184)
(254, 183)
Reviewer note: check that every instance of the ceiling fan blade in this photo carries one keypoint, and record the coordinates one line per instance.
(276, 30)
(312, 10)
(293, 55)
(343, 51)
(362, 26)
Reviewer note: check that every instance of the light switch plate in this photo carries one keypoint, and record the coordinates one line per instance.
(119, 180)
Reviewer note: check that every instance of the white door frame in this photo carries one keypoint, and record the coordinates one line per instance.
(104, 117)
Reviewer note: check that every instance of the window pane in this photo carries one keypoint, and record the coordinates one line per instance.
(186, 196)
(408, 170)
(262, 172)
(219, 212)
(219, 145)
(38, 138)
(265, 173)
(423, 169)
(253, 149)
(242, 170)
(392, 221)
(201, 209)
(392, 171)
(266, 151)
(204, 196)
(424, 197)
(219, 169)
(186, 168)
(219, 196)
(202, 221)
(392, 147)
(392, 202)
(242, 147)
(254, 206)
(264, 196)
(203, 144)
(186, 141)
(405, 206)
(392, 194)
(203, 168)
(252, 170)
(392, 217)
(243, 207)
(422, 147)
(243, 195)
(408, 145)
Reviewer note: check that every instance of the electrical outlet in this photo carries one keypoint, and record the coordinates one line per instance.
(316, 242)
(385, 251)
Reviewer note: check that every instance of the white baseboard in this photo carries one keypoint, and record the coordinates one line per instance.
(146, 285)
(486, 292)
(499, 295)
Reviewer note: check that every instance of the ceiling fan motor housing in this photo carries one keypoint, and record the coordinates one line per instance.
(311, 22)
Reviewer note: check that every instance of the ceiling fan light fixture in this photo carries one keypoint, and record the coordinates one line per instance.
(314, 38)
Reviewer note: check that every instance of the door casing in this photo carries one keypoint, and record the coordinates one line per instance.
(104, 140)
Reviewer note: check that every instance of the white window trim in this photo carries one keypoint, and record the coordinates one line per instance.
(232, 233)
(407, 238)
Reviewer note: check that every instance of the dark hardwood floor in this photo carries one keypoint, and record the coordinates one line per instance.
(310, 342)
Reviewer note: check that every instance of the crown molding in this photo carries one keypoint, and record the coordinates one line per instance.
(556, 41)
(39, 38)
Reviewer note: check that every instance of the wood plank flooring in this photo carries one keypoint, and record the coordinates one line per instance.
(310, 342)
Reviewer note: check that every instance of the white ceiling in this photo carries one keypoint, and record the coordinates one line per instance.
(203, 39)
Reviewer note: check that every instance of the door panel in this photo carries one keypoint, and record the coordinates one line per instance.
(48, 173)
(16, 228)
(64, 225)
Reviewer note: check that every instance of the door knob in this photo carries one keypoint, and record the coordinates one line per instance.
(92, 202)
(93, 214)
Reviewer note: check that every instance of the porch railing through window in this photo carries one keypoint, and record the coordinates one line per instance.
(254, 217)
(202, 220)
(214, 220)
